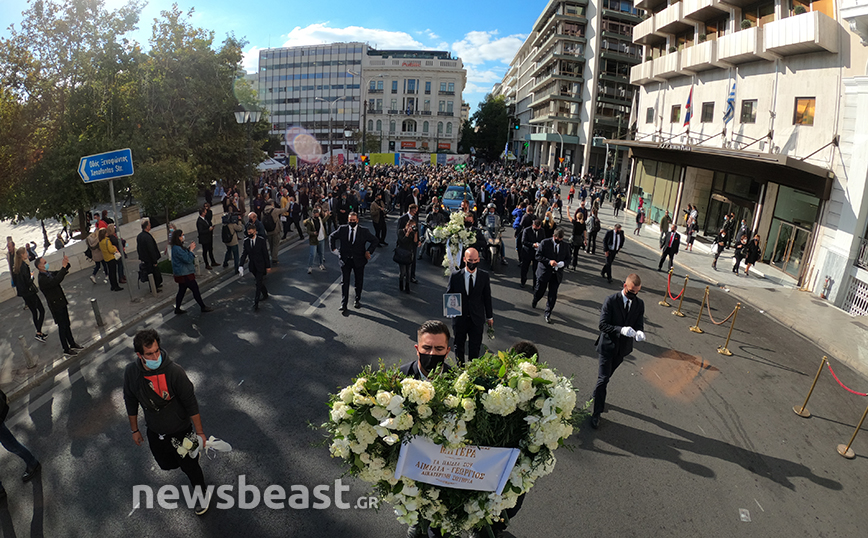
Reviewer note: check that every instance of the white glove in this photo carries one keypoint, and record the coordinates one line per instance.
(640, 336)
(629, 332)
(336, 253)
(560, 265)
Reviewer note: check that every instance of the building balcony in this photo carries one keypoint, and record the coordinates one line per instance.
(621, 15)
(703, 10)
(392, 112)
(619, 57)
(700, 57)
(742, 47)
(372, 91)
(643, 33)
(642, 73)
(667, 66)
(669, 21)
(648, 5)
(425, 112)
(444, 92)
(809, 32)
(862, 259)
(444, 113)
(855, 12)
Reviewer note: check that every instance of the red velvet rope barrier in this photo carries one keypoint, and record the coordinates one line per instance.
(669, 289)
(842, 385)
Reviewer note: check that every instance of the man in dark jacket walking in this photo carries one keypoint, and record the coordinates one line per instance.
(671, 241)
(49, 283)
(163, 390)
(206, 238)
(149, 253)
(256, 248)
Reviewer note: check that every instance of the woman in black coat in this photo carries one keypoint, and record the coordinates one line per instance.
(740, 253)
(27, 290)
(754, 251)
(408, 239)
(579, 227)
(720, 241)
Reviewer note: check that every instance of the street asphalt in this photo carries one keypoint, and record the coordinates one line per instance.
(694, 443)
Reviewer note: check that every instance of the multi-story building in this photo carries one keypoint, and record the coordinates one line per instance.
(310, 87)
(569, 83)
(465, 112)
(756, 109)
(413, 99)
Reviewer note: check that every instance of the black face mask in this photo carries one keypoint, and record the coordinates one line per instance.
(352, 224)
(472, 265)
(468, 224)
(631, 295)
(429, 361)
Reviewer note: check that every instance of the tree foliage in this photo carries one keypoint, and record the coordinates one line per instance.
(492, 127)
(75, 86)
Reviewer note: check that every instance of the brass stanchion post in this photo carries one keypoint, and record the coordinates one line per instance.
(666, 291)
(725, 349)
(803, 411)
(696, 328)
(678, 312)
(846, 451)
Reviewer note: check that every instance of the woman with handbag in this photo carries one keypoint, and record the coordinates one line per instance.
(753, 253)
(28, 291)
(119, 244)
(111, 255)
(405, 251)
(184, 271)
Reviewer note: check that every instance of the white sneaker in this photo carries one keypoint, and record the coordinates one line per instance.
(309, 270)
(93, 279)
(322, 267)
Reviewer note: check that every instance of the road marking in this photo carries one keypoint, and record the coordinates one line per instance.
(321, 299)
(700, 429)
(758, 504)
(133, 510)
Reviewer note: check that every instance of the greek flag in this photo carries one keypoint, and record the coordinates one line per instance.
(729, 113)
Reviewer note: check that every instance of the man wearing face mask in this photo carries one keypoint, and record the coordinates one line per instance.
(474, 286)
(49, 284)
(256, 248)
(357, 247)
(622, 320)
(168, 400)
(530, 239)
(551, 255)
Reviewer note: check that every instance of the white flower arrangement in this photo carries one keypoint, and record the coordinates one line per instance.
(187, 446)
(503, 400)
(456, 237)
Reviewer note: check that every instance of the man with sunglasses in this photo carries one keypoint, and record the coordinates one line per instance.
(622, 320)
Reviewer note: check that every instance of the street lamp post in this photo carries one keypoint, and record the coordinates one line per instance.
(247, 117)
(332, 102)
(365, 115)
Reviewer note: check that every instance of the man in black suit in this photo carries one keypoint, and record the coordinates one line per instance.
(432, 347)
(622, 320)
(49, 283)
(612, 243)
(411, 213)
(357, 246)
(475, 288)
(149, 253)
(551, 256)
(530, 239)
(256, 248)
(671, 242)
(206, 237)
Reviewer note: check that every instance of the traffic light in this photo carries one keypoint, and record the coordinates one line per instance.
(391, 145)
(364, 159)
(517, 124)
(527, 144)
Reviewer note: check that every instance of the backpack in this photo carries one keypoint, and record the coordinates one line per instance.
(226, 234)
(597, 226)
(268, 221)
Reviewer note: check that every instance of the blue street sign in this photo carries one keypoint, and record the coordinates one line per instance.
(109, 165)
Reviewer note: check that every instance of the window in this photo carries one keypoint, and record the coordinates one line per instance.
(449, 107)
(442, 86)
(804, 112)
(448, 128)
(707, 113)
(408, 126)
(428, 86)
(392, 126)
(439, 127)
(649, 115)
(427, 105)
(451, 87)
(380, 85)
(394, 105)
(373, 85)
(675, 115)
(442, 107)
(748, 111)
(425, 127)
(379, 125)
(371, 104)
(394, 86)
(411, 85)
(370, 125)
(379, 104)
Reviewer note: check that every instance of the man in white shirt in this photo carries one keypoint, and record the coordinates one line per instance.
(612, 243)
(552, 254)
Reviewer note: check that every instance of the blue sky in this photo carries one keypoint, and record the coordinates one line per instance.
(485, 35)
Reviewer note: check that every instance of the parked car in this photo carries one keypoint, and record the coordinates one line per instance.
(456, 194)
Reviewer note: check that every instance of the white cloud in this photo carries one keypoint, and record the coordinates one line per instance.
(488, 75)
(430, 34)
(250, 60)
(320, 33)
(478, 47)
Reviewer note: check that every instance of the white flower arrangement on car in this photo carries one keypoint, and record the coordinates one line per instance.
(456, 237)
(503, 400)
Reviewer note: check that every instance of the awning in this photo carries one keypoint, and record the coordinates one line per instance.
(270, 164)
(763, 167)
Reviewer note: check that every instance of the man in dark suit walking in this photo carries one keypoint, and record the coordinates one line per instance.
(256, 248)
(149, 253)
(622, 320)
(475, 288)
(552, 255)
(411, 213)
(530, 239)
(671, 242)
(206, 237)
(357, 246)
(49, 283)
(612, 243)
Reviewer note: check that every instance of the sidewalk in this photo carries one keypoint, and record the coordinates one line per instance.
(768, 290)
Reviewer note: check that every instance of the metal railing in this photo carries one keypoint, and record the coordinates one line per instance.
(862, 258)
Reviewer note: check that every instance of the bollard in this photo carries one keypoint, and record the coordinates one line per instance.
(666, 291)
(846, 451)
(678, 312)
(28, 356)
(696, 328)
(803, 412)
(725, 349)
(152, 284)
(198, 267)
(99, 322)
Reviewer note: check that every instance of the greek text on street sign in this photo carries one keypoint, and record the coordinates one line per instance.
(109, 165)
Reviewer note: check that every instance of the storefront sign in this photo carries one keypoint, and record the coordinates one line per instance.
(676, 147)
(444, 145)
(411, 64)
(479, 468)
(406, 144)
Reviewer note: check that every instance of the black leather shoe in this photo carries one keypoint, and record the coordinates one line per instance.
(414, 281)
(548, 319)
(533, 304)
(342, 308)
(30, 473)
(357, 304)
(180, 311)
(595, 421)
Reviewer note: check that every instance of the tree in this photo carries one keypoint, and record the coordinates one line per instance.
(467, 137)
(165, 187)
(371, 145)
(492, 127)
